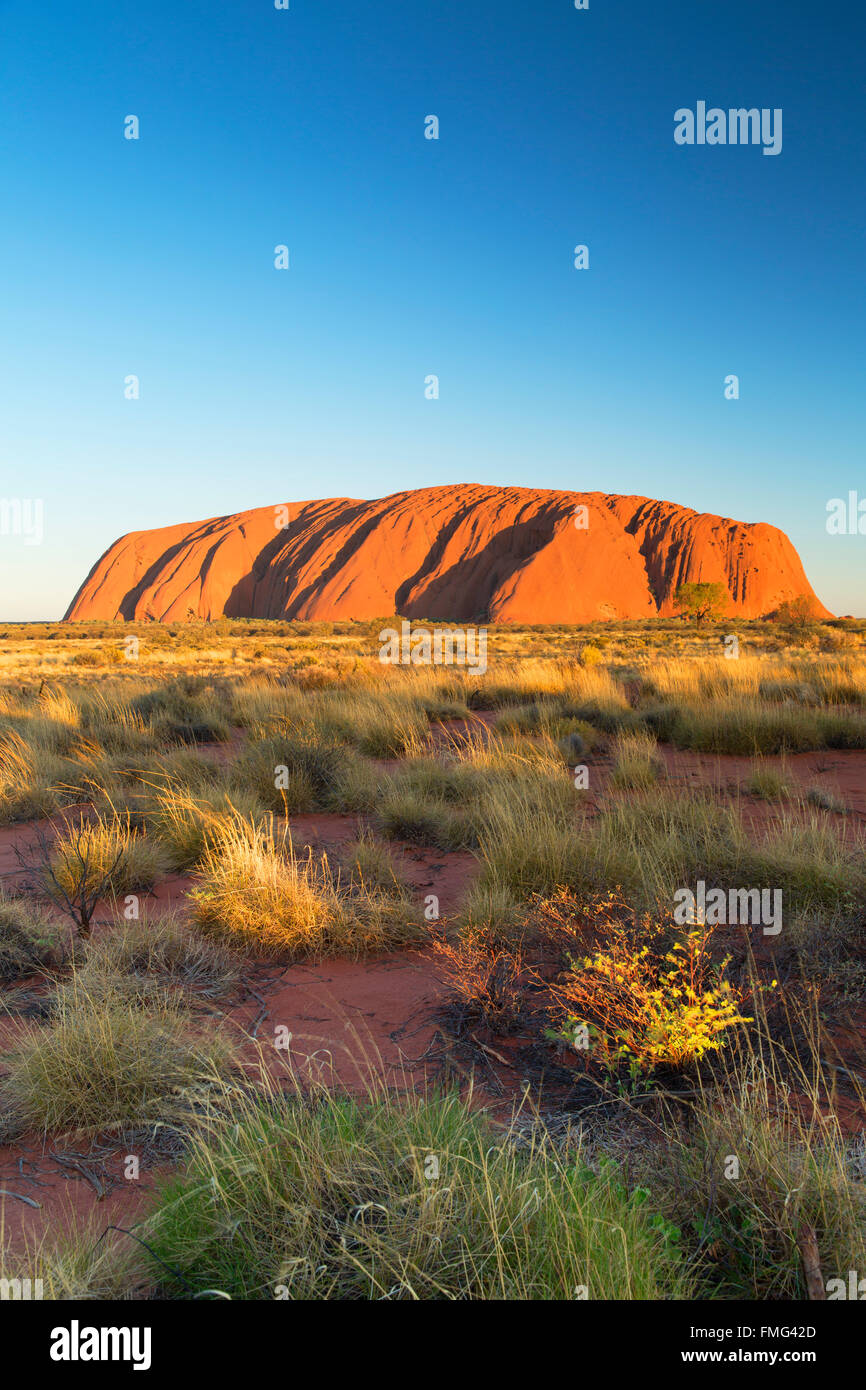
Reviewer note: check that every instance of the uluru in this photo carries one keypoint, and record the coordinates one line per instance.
(464, 553)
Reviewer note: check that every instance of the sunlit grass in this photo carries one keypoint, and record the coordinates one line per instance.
(253, 891)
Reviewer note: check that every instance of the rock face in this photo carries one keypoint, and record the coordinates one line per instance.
(464, 553)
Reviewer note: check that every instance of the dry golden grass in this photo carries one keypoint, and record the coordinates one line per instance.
(104, 1065)
(186, 824)
(154, 956)
(254, 891)
(636, 764)
(81, 1261)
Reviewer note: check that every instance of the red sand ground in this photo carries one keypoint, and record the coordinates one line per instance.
(67, 1197)
(841, 773)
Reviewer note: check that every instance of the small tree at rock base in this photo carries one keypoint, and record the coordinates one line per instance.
(702, 601)
(796, 613)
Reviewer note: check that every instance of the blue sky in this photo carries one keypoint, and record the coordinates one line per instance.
(409, 257)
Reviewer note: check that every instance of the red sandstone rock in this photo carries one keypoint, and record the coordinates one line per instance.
(465, 553)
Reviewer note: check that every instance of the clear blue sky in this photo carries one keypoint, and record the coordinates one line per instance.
(411, 257)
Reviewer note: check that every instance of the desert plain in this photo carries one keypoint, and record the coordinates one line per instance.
(325, 977)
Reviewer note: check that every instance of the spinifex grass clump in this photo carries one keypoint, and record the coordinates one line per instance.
(186, 824)
(371, 865)
(289, 774)
(447, 803)
(750, 727)
(768, 783)
(652, 847)
(111, 723)
(760, 1158)
(299, 771)
(825, 800)
(30, 778)
(103, 1064)
(407, 813)
(494, 911)
(29, 940)
(796, 1170)
(391, 722)
(78, 1259)
(388, 727)
(636, 763)
(401, 1197)
(254, 891)
(147, 960)
(429, 802)
(113, 783)
(187, 709)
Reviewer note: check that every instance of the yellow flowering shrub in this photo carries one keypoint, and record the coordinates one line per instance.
(640, 1008)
